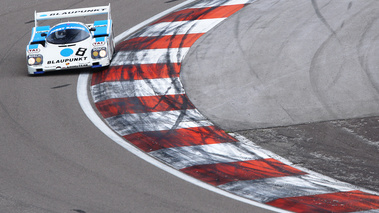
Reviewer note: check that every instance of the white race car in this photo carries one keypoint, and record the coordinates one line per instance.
(70, 45)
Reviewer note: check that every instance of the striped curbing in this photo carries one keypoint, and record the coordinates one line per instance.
(141, 98)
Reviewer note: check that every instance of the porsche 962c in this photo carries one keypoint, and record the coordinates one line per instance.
(70, 45)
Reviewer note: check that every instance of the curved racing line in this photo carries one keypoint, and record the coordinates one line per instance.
(142, 99)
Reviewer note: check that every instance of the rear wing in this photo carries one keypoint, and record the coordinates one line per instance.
(69, 13)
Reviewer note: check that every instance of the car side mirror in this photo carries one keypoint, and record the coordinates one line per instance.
(92, 29)
(43, 34)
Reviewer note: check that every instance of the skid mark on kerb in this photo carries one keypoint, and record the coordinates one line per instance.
(141, 98)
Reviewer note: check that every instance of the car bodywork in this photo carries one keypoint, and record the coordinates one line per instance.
(70, 45)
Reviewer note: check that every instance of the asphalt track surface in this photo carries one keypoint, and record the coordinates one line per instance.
(307, 68)
(53, 159)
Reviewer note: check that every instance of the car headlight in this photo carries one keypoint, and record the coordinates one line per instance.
(31, 61)
(35, 60)
(103, 53)
(99, 53)
(38, 60)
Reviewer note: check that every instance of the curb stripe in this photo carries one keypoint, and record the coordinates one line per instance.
(149, 56)
(138, 88)
(112, 107)
(334, 202)
(221, 173)
(266, 190)
(188, 156)
(157, 121)
(155, 140)
(169, 41)
(136, 72)
(179, 27)
(218, 3)
(201, 13)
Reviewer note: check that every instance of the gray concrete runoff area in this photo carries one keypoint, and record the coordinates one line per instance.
(299, 78)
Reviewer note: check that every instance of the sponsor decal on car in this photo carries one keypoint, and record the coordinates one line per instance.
(77, 11)
(79, 66)
(37, 50)
(66, 52)
(67, 60)
(99, 43)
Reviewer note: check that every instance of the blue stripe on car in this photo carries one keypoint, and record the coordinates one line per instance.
(101, 28)
(100, 22)
(32, 46)
(43, 28)
(100, 39)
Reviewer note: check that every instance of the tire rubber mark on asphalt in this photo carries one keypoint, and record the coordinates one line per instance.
(142, 99)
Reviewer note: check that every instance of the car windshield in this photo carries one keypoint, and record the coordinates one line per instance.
(67, 33)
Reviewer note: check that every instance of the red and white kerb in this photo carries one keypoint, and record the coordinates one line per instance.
(142, 98)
